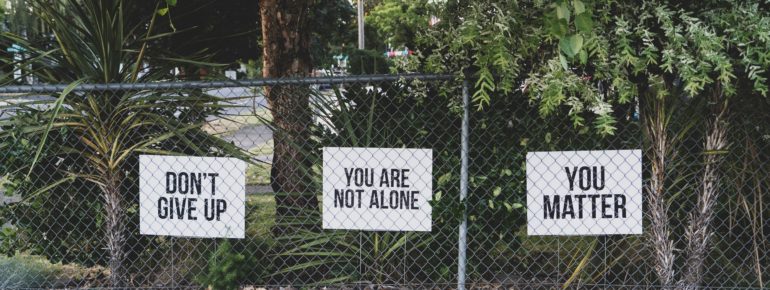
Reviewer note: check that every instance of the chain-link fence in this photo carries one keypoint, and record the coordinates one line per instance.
(91, 198)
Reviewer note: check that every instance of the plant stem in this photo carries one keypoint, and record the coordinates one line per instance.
(114, 227)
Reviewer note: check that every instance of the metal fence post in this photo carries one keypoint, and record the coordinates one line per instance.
(462, 240)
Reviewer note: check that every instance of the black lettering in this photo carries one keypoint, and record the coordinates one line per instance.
(195, 183)
(382, 199)
(394, 177)
(405, 199)
(221, 207)
(580, 198)
(404, 178)
(392, 200)
(349, 198)
(551, 209)
(596, 184)
(571, 177)
(184, 185)
(605, 206)
(620, 205)
(414, 199)
(208, 209)
(359, 191)
(170, 184)
(339, 197)
(593, 205)
(358, 177)
(213, 182)
(191, 208)
(162, 207)
(373, 201)
(369, 177)
(363, 177)
(179, 208)
(568, 208)
(348, 174)
(585, 176)
(384, 181)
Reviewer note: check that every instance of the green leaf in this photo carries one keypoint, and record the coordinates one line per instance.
(56, 109)
(171, 2)
(163, 11)
(558, 27)
(562, 11)
(583, 55)
(584, 23)
(496, 192)
(571, 45)
(579, 7)
(563, 61)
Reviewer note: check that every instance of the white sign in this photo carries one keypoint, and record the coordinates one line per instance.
(377, 189)
(574, 193)
(231, 74)
(192, 196)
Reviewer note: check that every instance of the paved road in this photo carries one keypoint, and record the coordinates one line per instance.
(252, 135)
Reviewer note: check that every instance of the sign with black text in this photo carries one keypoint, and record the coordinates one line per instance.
(377, 189)
(188, 196)
(574, 193)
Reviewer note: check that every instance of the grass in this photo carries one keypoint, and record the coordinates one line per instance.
(30, 271)
(261, 215)
(259, 174)
(263, 149)
(226, 126)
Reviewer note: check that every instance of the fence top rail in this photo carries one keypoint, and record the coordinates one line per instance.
(55, 88)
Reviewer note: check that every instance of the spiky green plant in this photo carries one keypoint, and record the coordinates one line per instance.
(95, 43)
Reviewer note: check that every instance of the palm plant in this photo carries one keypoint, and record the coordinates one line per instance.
(95, 43)
(355, 117)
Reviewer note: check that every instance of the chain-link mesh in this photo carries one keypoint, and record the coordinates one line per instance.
(71, 164)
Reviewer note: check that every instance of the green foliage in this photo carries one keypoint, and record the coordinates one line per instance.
(226, 268)
(77, 153)
(399, 21)
(365, 117)
(491, 42)
(592, 56)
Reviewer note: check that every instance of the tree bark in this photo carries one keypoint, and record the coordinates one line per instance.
(286, 53)
(114, 227)
(655, 127)
(698, 233)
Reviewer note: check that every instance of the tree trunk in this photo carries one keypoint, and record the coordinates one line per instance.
(698, 232)
(655, 127)
(286, 53)
(115, 228)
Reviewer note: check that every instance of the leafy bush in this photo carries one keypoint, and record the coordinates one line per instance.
(226, 268)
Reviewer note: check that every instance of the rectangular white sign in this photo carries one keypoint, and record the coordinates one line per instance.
(377, 189)
(187, 196)
(575, 193)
